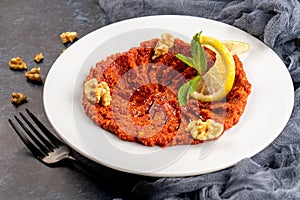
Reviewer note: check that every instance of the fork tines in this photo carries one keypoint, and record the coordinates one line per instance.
(40, 142)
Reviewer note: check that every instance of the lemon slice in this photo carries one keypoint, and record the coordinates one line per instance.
(236, 47)
(218, 81)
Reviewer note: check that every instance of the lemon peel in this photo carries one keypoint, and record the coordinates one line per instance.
(218, 81)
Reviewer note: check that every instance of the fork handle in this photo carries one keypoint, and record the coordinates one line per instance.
(83, 165)
(102, 175)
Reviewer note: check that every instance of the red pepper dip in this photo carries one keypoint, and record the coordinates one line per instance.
(144, 106)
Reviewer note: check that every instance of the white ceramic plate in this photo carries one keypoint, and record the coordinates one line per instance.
(267, 112)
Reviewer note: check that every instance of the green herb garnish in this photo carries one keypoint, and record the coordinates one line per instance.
(186, 89)
(198, 62)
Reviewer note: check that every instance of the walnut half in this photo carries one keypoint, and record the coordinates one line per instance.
(163, 45)
(17, 64)
(96, 92)
(34, 74)
(103, 94)
(18, 98)
(205, 130)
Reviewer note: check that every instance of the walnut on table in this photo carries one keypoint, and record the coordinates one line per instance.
(18, 98)
(34, 74)
(38, 57)
(17, 63)
(68, 36)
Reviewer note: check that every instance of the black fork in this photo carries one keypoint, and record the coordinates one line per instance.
(44, 145)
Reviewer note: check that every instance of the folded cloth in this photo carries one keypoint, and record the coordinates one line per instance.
(273, 173)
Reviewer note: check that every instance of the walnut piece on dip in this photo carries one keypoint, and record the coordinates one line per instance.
(17, 64)
(96, 92)
(18, 98)
(163, 45)
(205, 130)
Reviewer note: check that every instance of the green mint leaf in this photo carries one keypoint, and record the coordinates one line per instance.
(195, 50)
(194, 83)
(203, 61)
(186, 89)
(198, 53)
(198, 62)
(187, 60)
(183, 94)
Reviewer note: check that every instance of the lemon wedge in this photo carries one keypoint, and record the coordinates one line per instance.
(236, 47)
(218, 81)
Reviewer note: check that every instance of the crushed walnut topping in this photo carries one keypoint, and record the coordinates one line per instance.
(38, 57)
(17, 64)
(205, 130)
(18, 98)
(96, 92)
(68, 36)
(90, 89)
(103, 94)
(34, 74)
(163, 45)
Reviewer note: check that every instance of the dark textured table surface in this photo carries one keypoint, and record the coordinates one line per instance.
(27, 28)
(33, 26)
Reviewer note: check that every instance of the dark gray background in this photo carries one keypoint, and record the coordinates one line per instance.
(27, 28)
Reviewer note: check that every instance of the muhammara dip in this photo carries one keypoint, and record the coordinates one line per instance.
(144, 106)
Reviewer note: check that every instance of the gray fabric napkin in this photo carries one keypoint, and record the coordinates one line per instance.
(273, 173)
